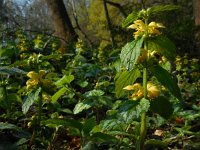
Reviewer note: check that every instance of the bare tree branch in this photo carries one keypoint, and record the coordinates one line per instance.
(121, 9)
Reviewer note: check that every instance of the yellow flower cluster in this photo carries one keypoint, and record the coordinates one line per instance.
(37, 79)
(141, 28)
(152, 90)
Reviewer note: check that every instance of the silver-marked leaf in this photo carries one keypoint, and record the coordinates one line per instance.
(31, 98)
(84, 105)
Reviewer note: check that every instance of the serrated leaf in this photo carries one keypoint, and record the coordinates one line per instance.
(162, 106)
(63, 122)
(162, 45)
(144, 105)
(129, 111)
(31, 98)
(89, 125)
(124, 78)
(130, 53)
(8, 126)
(58, 94)
(166, 80)
(130, 19)
(155, 10)
(65, 80)
(84, 105)
(11, 70)
(112, 124)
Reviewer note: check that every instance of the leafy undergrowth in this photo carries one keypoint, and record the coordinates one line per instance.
(50, 100)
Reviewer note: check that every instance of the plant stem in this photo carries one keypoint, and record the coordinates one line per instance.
(143, 127)
(40, 108)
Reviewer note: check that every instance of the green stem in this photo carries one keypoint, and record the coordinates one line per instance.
(40, 108)
(143, 127)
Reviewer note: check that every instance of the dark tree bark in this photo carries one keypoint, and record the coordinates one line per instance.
(109, 23)
(61, 21)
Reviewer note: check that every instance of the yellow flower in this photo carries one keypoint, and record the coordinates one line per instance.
(152, 90)
(135, 86)
(138, 94)
(140, 28)
(152, 28)
(36, 78)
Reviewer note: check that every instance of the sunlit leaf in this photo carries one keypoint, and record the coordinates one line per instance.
(130, 19)
(84, 105)
(157, 9)
(94, 93)
(65, 80)
(124, 78)
(58, 94)
(130, 53)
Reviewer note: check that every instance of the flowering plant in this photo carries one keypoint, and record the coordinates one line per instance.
(142, 56)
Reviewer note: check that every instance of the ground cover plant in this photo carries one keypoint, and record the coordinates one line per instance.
(142, 96)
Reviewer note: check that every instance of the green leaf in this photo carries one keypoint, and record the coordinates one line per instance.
(89, 125)
(156, 143)
(58, 94)
(124, 78)
(10, 70)
(130, 53)
(94, 93)
(112, 124)
(130, 19)
(90, 146)
(162, 45)
(31, 98)
(84, 105)
(63, 122)
(155, 10)
(129, 111)
(144, 105)
(162, 106)
(103, 137)
(65, 80)
(8, 126)
(166, 80)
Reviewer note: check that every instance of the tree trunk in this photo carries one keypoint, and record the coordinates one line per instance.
(61, 21)
(196, 5)
(109, 23)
